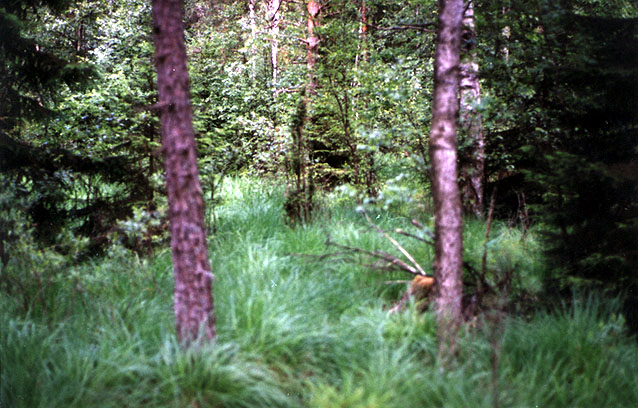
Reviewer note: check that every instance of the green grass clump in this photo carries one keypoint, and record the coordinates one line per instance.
(298, 331)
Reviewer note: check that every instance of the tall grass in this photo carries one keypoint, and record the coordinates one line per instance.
(296, 331)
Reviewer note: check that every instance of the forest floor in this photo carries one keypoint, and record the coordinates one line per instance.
(299, 330)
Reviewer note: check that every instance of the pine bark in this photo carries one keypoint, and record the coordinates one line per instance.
(473, 168)
(443, 156)
(193, 302)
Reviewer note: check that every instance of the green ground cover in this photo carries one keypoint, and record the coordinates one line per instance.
(296, 331)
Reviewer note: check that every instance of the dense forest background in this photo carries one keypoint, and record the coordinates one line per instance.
(312, 122)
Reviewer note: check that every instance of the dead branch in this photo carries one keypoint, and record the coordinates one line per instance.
(407, 234)
(396, 282)
(396, 245)
(390, 260)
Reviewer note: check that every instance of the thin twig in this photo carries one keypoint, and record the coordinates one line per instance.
(396, 282)
(384, 256)
(407, 234)
(396, 244)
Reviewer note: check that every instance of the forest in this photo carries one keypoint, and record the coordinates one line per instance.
(318, 203)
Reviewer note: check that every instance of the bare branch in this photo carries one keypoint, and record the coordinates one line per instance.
(407, 234)
(391, 261)
(397, 245)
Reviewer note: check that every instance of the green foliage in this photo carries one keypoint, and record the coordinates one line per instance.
(561, 107)
(293, 333)
(594, 346)
(294, 329)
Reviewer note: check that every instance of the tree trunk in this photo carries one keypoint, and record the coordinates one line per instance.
(274, 16)
(302, 197)
(363, 30)
(312, 44)
(448, 231)
(253, 38)
(473, 168)
(193, 303)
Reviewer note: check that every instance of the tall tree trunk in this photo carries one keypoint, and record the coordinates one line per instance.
(473, 168)
(305, 187)
(363, 31)
(193, 302)
(448, 231)
(312, 44)
(370, 172)
(274, 16)
(253, 38)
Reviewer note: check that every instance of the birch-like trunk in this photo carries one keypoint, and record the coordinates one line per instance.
(448, 231)
(253, 38)
(473, 169)
(193, 302)
(275, 17)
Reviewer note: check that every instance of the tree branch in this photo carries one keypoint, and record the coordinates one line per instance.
(396, 245)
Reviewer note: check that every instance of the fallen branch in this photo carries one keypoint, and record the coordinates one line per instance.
(396, 245)
(407, 234)
(384, 256)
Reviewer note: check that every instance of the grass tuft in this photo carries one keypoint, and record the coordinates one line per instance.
(295, 331)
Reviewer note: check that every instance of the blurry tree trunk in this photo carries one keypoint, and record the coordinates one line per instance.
(274, 16)
(312, 44)
(370, 172)
(473, 168)
(363, 30)
(300, 200)
(253, 38)
(193, 303)
(448, 258)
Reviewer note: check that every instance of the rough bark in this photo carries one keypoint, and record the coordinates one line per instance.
(193, 303)
(473, 168)
(448, 261)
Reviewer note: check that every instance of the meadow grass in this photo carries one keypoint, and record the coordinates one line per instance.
(298, 331)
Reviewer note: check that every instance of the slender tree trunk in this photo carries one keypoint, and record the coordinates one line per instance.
(370, 172)
(448, 231)
(193, 303)
(473, 169)
(275, 16)
(304, 184)
(312, 44)
(363, 31)
(253, 38)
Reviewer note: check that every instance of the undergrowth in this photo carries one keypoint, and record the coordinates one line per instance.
(298, 330)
